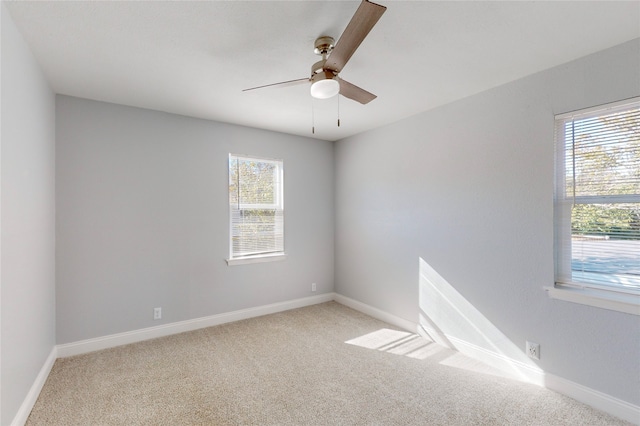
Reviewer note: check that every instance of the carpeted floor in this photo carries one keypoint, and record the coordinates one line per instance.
(320, 365)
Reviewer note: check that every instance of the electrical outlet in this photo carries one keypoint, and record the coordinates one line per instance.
(533, 350)
(313, 286)
(157, 313)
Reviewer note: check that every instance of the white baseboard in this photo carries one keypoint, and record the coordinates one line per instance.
(594, 398)
(110, 341)
(376, 313)
(32, 396)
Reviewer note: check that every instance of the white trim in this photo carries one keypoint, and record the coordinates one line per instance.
(255, 158)
(606, 199)
(594, 398)
(261, 258)
(596, 109)
(621, 302)
(32, 396)
(110, 341)
(376, 313)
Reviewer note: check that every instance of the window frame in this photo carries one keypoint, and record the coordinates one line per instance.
(278, 204)
(607, 297)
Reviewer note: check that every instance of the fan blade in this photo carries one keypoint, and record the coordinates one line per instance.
(282, 83)
(352, 91)
(362, 22)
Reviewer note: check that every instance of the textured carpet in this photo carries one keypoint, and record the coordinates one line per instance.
(320, 365)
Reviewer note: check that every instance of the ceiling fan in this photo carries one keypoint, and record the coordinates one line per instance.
(325, 81)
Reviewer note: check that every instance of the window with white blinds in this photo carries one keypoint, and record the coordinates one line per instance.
(597, 201)
(256, 206)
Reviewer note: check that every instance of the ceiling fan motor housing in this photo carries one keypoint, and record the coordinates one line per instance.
(318, 67)
(323, 75)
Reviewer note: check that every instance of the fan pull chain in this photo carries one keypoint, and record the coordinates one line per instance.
(338, 109)
(313, 118)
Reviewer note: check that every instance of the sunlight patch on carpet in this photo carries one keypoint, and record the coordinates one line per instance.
(397, 342)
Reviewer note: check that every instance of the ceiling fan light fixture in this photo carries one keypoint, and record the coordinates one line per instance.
(324, 85)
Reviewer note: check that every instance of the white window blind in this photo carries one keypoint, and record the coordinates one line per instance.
(256, 206)
(597, 202)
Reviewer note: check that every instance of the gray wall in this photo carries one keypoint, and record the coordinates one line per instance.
(28, 217)
(142, 219)
(467, 189)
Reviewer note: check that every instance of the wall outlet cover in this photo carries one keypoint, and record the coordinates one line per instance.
(533, 350)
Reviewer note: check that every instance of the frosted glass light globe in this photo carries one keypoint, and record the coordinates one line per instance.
(324, 89)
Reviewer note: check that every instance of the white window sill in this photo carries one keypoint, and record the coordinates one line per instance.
(256, 259)
(621, 302)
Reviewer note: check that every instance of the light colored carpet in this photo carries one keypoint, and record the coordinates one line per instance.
(294, 368)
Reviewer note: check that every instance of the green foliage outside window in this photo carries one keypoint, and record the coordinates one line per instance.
(616, 221)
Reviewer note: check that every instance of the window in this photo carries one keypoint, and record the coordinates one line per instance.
(256, 209)
(597, 206)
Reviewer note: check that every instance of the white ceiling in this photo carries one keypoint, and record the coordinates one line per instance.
(194, 58)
